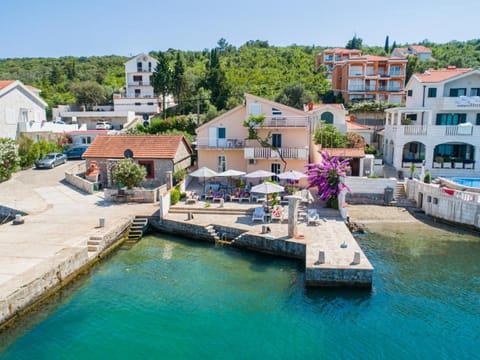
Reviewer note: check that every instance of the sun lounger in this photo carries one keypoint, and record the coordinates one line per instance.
(244, 196)
(313, 217)
(258, 214)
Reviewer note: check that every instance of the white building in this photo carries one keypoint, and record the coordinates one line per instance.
(324, 114)
(421, 52)
(440, 125)
(138, 95)
(19, 104)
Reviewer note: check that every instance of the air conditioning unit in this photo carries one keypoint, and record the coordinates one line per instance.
(252, 161)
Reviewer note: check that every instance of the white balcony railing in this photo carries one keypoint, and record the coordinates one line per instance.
(433, 130)
(139, 83)
(285, 121)
(215, 143)
(299, 153)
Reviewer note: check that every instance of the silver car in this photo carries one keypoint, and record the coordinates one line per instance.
(51, 160)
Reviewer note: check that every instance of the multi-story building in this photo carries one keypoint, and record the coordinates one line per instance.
(370, 78)
(440, 125)
(330, 57)
(223, 143)
(138, 95)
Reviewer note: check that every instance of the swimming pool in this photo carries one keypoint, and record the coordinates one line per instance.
(470, 182)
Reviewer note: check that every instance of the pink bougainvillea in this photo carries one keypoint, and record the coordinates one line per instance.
(326, 177)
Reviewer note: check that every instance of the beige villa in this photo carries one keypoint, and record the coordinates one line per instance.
(223, 143)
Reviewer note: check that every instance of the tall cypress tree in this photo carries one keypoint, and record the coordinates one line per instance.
(178, 79)
(162, 78)
(386, 45)
(216, 81)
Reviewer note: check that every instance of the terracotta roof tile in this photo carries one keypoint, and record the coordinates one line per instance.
(338, 106)
(420, 48)
(345, 152)
(142, 146)
(5, 83)
(431, 76)
(351, 125)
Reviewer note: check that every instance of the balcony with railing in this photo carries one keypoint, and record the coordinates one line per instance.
(139, 83)
(434, 131)
(280, 121)
(455, 103)
(216, 143)
(390, 88)
(299, 153)
(397, 73)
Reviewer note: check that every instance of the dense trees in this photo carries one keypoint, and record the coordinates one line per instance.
(213, 80)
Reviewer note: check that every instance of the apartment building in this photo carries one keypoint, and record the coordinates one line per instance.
(330, 57)
(440, 124)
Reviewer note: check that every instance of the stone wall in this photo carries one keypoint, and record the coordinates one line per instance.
(338, 277)
(367, 191)
(462, 207)
(50, 275)
(72, 177)
(148, 195)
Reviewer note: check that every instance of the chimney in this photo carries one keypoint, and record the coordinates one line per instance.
(310, 106)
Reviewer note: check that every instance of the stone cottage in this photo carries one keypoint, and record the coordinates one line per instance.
(158, 153)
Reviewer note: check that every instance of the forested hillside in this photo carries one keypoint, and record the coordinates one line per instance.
(215, 79)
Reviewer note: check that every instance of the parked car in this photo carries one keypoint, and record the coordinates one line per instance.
(75, 152)
(51, 160)
(104, 125)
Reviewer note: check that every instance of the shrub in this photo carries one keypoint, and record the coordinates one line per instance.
(427, 179)
(174, 196)
(128, 173)
(179, 175)
(8, 158)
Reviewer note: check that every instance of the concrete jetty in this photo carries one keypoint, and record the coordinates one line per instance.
(343, 262)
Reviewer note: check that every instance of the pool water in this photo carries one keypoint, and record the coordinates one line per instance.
(470, 182)
(171, 298)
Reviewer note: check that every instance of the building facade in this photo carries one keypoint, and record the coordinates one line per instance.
(223, 143)
(421, 52)
(20, 106)
(440, 124)
(370, 78)
(139, 95)
(330, 57)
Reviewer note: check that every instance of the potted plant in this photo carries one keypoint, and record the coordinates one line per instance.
(438, 163)
(458, 163)
(447, 163)
(427, 179)
(412, 170)
(469, 164)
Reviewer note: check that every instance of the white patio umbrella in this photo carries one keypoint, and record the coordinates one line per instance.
(267, 188)
(292, 175)
(259, 174)
(204, 172)
(231, 173)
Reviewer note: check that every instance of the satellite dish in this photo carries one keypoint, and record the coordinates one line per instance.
(128, 153)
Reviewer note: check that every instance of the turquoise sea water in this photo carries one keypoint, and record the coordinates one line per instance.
(170, 298)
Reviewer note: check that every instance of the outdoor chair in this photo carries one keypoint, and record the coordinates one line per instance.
(191, 199)
(245, 196)
(218, 197)
(313, 217)
(258, 214)
(277, 213)
(258, 198)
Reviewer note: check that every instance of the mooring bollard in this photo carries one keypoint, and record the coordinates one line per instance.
(356, 257)
(101, 222)
(321, 257)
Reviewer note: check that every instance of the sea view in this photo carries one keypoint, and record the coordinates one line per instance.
(172, 298)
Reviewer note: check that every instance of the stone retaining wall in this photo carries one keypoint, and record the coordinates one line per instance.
(55, 272)
(367, 191)
(73, 178)
(462, 207)
(339, 277)
(148, 195)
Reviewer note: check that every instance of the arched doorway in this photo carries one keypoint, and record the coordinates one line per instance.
(413, 152)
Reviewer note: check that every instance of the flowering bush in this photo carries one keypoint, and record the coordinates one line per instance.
(8, 158)
(326, 177)
(129, 173)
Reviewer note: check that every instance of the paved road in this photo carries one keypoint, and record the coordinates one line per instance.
(59, 218)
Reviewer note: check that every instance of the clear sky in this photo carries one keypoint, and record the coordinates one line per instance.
(53, 28)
